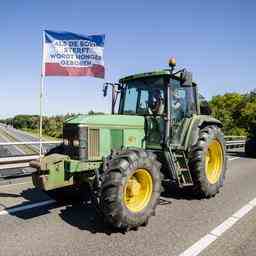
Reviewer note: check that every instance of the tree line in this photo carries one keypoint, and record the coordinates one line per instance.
(52, 126)
(236, 111)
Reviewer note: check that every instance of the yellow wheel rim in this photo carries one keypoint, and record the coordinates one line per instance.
(214, 161)
(138, 190)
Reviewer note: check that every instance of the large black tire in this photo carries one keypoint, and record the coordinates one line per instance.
(203, 157)
(250, 147)
(113, 202)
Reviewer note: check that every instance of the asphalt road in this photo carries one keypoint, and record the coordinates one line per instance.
(180, 222)
(6, 151)
(22, 136)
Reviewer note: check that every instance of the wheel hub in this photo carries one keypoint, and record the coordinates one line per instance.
(138, 190)
(214, 161)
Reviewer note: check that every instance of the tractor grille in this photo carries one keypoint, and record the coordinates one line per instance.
(71, 133)
(94, 144)
(82, 144)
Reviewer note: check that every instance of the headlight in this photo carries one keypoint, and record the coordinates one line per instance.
(76, 143)
(66, 142)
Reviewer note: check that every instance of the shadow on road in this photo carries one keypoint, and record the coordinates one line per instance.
(9, 195)
(79, 213)
(31, 195)
(83, 214)
(178, 194)
(75, 212)
(237, 153)
(86, 217)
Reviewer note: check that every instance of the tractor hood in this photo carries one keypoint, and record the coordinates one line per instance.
(115, 121)
(97, 135)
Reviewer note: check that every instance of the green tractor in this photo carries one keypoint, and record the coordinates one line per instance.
(157, 136)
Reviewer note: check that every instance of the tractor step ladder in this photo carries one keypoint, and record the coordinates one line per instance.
(182, 168)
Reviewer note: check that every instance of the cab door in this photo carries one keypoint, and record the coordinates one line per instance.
(182, 107)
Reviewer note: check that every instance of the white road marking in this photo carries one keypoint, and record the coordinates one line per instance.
(243, 211)
(253, 202)
(213, 235)
(234, 158)
(26, 207)
(199, 246)
(228, 223)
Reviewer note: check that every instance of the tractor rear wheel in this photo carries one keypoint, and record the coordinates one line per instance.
(131, 189)
(207, 162)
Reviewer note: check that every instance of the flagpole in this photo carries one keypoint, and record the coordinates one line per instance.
(41, 100)
(41, 116)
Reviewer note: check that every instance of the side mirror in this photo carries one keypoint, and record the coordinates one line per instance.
(186, 78)
(105, 89)
(119, 87)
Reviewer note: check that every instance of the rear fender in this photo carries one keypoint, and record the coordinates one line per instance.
(196, 124)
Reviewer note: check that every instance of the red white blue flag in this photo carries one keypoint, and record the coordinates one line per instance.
(69, 54)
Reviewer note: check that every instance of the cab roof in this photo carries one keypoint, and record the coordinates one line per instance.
(147, 74)
(166, 72)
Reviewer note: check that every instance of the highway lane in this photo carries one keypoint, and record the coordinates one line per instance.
(240, 240)
(8, 150)
(22, 136)
(19, 135)
(12, 150)
(75, 229)
(7, 134)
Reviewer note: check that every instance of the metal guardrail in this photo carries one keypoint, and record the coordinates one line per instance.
(235, 137)
(23, 161)
(28, 143)
(235, 141)
(13, 162)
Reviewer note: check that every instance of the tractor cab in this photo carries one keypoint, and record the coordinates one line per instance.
(167, 100)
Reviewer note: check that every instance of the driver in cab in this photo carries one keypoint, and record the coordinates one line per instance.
(156, 103)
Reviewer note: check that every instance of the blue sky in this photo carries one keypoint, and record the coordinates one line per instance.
(214, 39)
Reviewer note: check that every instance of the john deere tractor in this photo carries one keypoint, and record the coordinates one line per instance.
(157, 136)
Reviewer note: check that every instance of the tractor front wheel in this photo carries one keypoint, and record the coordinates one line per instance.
(131, 189)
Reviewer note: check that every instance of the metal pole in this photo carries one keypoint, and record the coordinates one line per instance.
(113, 99)
(41, 99)
(41, 116)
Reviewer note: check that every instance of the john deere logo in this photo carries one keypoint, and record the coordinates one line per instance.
(131, 140)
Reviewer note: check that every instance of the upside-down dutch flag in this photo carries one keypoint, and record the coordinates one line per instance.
(69, 54)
